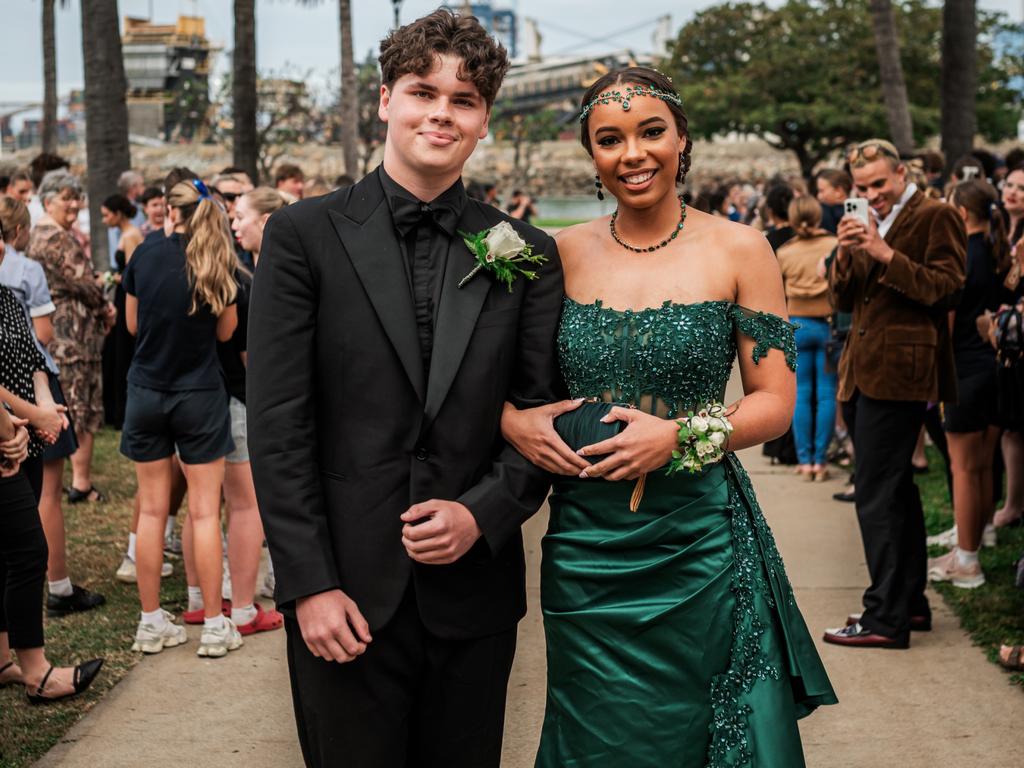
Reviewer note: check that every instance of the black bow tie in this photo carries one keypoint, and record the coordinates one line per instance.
(408, 214)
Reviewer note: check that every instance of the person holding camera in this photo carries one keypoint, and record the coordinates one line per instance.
(899, 270)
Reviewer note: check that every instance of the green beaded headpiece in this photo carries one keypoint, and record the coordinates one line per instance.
(630, 93)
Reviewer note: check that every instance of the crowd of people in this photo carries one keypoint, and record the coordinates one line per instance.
(899, 348)
(156, 347)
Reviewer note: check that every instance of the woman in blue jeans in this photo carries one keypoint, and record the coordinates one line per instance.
(809, 307)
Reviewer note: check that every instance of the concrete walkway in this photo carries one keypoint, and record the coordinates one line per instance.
(938, 703)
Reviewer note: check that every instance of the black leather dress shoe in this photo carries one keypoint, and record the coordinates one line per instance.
(85, 673)
(856, 636)
(917, 623)
(844, 496)
(80, 599)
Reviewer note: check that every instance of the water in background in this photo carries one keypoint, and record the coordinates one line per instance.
(578, 208)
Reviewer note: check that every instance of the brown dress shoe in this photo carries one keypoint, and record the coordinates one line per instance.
(856, 636)
(917, 623)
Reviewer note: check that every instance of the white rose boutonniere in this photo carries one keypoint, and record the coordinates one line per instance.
(503, 252)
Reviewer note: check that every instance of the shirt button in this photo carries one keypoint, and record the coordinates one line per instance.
(867, 299)
(421, 453)
(861, 332)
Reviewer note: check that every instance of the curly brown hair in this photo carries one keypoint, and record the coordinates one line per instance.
(414, 48)
(651, 78)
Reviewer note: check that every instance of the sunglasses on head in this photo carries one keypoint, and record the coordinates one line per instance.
(870, 151)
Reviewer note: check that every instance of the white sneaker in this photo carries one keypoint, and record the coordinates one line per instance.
(945, 539)
(150, 639)
(127, 573)
(267, 590)
(216, 643)
(988, 536)
(948, 568)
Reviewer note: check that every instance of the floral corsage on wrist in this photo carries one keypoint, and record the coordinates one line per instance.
(501, 251)
(703, 437)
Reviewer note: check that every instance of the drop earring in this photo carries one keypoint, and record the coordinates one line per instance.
(597, 183)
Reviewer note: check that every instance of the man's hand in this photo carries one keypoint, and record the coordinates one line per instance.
(332, 626)
(447, 531)
(531, 431)
(853, 234)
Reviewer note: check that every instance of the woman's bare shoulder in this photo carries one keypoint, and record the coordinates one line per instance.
(580, 238)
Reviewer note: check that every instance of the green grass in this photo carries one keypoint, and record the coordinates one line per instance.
(97, 535)
(994, 613)
(556, 223)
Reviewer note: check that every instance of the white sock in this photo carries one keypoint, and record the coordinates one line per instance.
(243, 615)
(61, 588)
(965, 558)
(168, 527)
(131, 546)
(154, 618)
(195, 599)
(217, 622)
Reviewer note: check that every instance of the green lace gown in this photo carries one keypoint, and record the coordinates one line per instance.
(673, 638)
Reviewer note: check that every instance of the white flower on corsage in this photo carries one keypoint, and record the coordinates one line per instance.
(503, 252)
(702, 438)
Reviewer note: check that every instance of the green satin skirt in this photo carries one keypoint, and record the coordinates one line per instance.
(672, 635)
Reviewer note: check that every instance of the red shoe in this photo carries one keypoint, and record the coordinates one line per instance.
(917, 623)
(263, 621)
(197, 616)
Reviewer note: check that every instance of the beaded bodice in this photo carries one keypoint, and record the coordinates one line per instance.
(664, 359)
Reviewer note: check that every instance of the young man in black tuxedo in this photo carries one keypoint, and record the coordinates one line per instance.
(392, 505)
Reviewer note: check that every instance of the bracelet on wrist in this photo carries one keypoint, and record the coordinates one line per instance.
(702, 439)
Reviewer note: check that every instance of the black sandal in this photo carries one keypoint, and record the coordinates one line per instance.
(76, 496)
(85, 673)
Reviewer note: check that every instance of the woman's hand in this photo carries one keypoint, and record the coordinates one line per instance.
(15, 450)
(49, 421)
(531, 431)
(644, 445)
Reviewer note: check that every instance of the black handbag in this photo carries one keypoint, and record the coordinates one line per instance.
(583, 426)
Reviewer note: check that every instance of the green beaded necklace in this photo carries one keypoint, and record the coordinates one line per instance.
(662, 244)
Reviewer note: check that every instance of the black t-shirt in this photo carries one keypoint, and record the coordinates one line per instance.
(230, 351)
(972, 353)
(174, 351)
(779, 236)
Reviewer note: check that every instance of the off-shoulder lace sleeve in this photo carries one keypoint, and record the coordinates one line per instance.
(768, 332)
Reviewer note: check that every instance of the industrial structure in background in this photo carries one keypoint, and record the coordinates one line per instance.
(168, 71)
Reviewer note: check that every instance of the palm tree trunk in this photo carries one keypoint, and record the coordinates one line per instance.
(349, 94)
(245, 142)
(49, 126)
(959, 78)
(106, 115)
(894, 88)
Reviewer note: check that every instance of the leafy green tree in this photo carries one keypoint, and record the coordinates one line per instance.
(805, 76)
(525, 131)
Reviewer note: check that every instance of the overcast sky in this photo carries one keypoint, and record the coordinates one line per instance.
(305, 36)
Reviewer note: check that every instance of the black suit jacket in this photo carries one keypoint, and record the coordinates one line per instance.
(345, 434)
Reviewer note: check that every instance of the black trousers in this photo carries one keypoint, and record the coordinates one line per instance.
(23, 556)
(412, 700)
(890, 514)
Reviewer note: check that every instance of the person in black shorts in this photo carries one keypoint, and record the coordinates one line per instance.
(970, 423)
(180, 300)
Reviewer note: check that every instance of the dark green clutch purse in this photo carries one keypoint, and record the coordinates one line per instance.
(583, 426)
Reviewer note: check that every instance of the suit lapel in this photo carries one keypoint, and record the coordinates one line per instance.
(457, 313)
(903, 216)
(366, 230)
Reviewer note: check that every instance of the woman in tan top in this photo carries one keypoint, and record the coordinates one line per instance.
(808, 305)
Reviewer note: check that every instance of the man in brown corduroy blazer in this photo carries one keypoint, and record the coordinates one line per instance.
(899, 276)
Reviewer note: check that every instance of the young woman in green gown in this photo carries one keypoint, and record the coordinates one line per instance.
(673, 638)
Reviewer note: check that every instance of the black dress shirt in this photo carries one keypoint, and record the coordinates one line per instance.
(425, 231)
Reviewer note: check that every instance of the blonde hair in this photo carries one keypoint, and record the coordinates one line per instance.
(264, 200)
(13, 214)
(210, 258)
(804, 216)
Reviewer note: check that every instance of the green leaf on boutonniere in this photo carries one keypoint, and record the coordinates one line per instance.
(501, 251)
